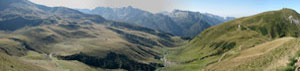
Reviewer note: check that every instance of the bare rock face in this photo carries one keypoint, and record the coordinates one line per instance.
(297, 64)
(293, 20)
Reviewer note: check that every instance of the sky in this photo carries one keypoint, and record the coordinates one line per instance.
(232, 8)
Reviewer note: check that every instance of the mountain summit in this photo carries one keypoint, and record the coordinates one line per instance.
(193, 23)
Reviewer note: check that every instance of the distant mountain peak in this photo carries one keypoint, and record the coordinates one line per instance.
(177, 10)
(129, 6)
(7, 3)
(179, 13)
(184, 11)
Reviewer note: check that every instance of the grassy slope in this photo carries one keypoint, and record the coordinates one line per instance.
(8, 63)
(227, 38)
(94, 40)
(7, 44)
(269, 56)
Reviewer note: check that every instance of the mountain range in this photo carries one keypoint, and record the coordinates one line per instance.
(39, 38)
(177, 22)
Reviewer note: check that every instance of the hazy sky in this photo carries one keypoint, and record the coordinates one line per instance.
(236, 8)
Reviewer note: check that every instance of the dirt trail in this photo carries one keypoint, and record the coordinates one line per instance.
(55, 60)
(166, 61)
